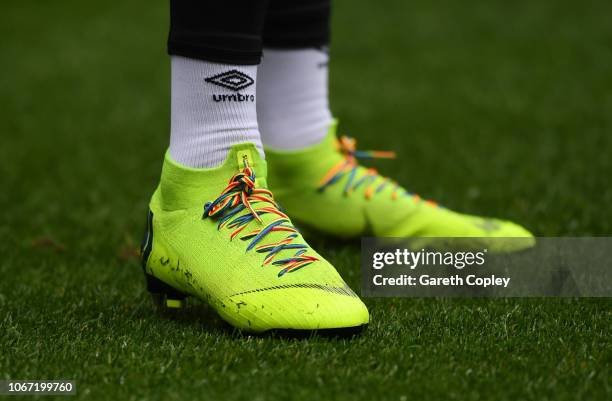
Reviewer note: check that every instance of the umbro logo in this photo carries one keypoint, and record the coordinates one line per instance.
(234, 80)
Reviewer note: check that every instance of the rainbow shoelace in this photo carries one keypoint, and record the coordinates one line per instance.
(241, 195)
(350, 166)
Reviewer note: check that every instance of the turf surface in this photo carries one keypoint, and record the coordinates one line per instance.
(498, 108)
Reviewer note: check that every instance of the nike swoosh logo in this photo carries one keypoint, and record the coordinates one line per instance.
(345, 290)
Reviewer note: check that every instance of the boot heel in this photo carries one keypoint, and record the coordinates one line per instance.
(164, 296)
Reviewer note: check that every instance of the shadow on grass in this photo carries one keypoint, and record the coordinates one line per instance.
(323, 242)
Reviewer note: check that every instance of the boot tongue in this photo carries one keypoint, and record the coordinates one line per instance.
(184, 187)
(244, 155)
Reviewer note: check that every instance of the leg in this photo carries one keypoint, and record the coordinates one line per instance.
(215, 48)
(293, 108)
(318, 178)
(214, 230)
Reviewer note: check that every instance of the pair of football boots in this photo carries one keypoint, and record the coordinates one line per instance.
(220, 235)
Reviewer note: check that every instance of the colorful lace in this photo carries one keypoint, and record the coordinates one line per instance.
(350, 166)
(241, 195)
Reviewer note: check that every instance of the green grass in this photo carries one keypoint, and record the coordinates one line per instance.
(498, 108)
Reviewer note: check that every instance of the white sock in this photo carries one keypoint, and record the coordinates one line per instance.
(293, 108)
(213, 108)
